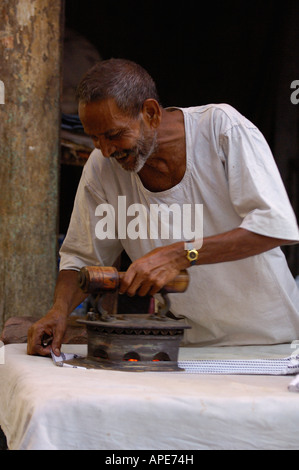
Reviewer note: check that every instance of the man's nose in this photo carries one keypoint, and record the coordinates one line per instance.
(106, 147)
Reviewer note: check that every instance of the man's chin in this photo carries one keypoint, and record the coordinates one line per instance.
(132, 163)
(127, 163)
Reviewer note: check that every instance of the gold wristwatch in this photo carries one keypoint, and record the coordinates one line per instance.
(191, 253)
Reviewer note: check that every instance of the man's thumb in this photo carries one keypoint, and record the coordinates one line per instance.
(56, 345)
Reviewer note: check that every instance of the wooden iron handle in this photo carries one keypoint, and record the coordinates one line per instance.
(94, 279)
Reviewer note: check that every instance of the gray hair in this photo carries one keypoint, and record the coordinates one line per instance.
(125, 81)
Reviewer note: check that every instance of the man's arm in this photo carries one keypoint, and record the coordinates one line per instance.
(236, 244)
(67, 297)
(149, 274)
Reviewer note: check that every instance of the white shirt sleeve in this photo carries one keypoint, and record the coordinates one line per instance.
(81, 246)
(255, 185)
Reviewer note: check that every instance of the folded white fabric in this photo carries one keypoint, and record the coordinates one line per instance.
(284, 366)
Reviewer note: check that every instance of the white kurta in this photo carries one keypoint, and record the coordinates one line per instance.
(231, 172)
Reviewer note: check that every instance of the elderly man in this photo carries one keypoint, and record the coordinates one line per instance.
(241, 290)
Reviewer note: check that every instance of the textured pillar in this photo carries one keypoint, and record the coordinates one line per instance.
(30, 69)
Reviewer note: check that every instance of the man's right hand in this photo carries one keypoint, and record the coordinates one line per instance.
(53, 325)
(67, 297)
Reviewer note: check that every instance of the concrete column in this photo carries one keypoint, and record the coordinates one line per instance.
(30, 71)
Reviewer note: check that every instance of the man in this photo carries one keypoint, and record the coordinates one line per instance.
(241, 290)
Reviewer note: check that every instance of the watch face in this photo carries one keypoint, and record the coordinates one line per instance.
(192, 255)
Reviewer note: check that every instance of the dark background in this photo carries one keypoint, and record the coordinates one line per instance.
(241, 53)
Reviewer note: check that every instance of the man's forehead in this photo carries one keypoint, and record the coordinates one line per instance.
(104, 109)
(111, 131)
(105, 116)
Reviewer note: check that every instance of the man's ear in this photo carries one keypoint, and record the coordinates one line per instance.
(152, 113)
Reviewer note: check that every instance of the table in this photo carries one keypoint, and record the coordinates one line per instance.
(46, 407)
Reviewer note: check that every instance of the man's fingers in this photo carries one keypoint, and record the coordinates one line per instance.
(59, 331)
(36, 348)
(56, 345)
(135, 283)
(46, 335)
(150, 273)
(34, 340)
(141, 284)
(126, 282)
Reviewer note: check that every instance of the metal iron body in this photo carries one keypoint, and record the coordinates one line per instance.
(132, 342)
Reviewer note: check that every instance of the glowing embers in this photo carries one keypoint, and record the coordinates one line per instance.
(161, 356)
(133, 356)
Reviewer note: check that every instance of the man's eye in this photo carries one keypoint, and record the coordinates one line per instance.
(117, 135)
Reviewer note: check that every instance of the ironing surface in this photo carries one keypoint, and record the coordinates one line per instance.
(49, 407)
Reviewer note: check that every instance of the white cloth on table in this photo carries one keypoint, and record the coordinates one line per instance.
(47, 407)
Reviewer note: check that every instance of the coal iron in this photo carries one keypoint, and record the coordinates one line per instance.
(132, 342)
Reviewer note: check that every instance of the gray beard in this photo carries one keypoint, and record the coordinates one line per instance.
(141, 158)
(142, 151)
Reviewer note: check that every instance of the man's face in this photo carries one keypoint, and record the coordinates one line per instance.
(130, 141)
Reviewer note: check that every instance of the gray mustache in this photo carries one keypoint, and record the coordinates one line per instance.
(123, 154)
